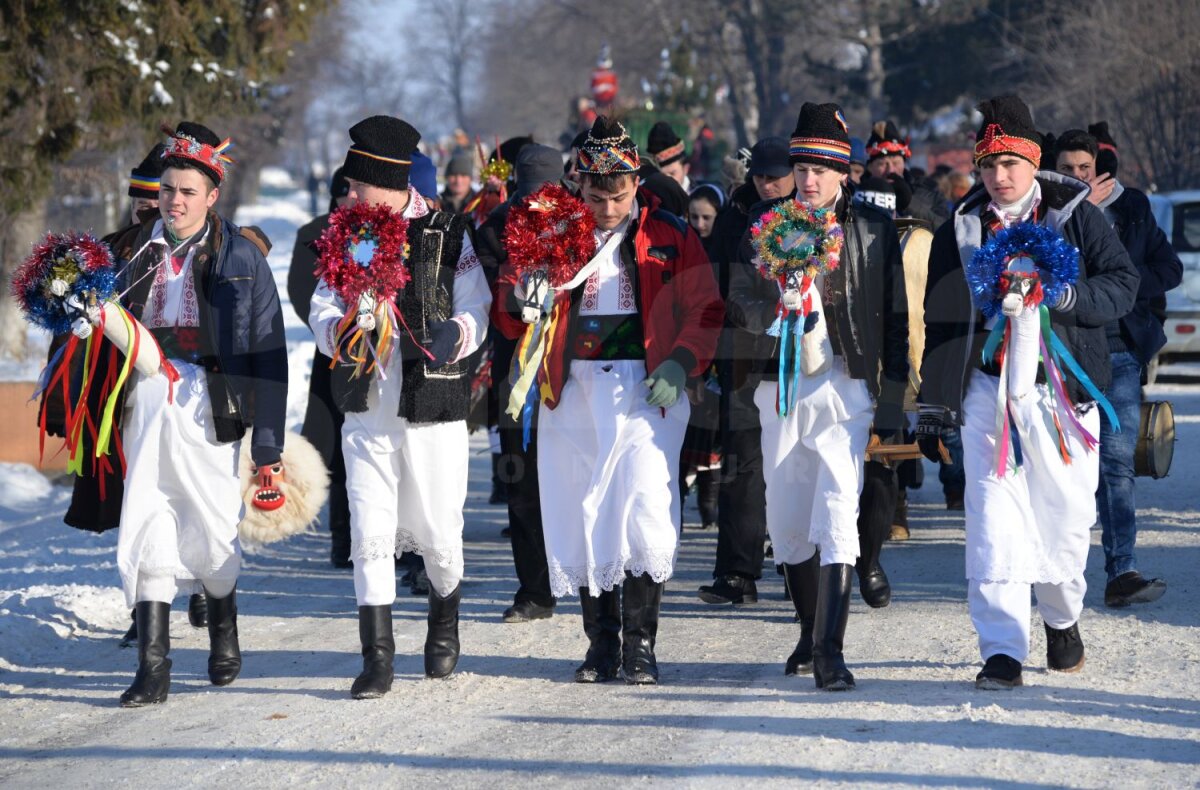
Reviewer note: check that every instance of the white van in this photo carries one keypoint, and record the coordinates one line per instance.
(1178, 214)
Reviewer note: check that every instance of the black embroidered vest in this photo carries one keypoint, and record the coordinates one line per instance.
(426, 396)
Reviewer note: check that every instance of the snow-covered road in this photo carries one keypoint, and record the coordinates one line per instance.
(724, 713)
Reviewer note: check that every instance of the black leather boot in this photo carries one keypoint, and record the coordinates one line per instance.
(602, 624)
(876, 507)
(801, 582)
(153, 678)
(378, 650)
(130, 638)
(708, 490)
(829, 628)
(641, 598)
(441, 641)
(224, 654)
(197, 610)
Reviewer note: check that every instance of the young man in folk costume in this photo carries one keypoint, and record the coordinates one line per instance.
(405, 435)
(205, 292)
(1028, 526)
(813, 457)
(618, 351)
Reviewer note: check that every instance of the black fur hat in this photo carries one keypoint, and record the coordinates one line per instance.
(1007, 128)
(144, 179)
(821, 137)
(663, 145)
(185, 150)
(381, 153)
(885, 140)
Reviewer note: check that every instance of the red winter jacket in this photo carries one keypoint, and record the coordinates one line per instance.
(682, 311)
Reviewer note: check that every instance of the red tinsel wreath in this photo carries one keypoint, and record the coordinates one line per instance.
(551, 230)
(364, 249)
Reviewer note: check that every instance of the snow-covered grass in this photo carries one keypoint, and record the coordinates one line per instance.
(723, 715)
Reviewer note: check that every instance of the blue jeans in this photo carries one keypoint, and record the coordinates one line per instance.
(1114, 497)
(951, 475)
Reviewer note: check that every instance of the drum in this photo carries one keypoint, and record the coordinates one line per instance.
(1155, 440)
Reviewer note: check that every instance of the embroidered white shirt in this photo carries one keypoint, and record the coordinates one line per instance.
(172, 299)
(609, 289)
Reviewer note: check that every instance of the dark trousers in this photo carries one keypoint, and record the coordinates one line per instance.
(518, 469)
(742, 501)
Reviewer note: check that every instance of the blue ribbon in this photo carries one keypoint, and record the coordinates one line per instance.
(1059, 349)
(994, 340)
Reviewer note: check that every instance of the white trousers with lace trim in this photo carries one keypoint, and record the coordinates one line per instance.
(608, 467)
(407, 485)
(182, 500)
(813, 465)
(1033, 525)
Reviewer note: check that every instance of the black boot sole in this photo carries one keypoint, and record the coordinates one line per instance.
(996, 684)
(799, 670)
(373, 692)
(1069, 670)
(129, 703)
(709, 597)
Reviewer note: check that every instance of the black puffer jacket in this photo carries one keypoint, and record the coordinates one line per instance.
(954, 329)
(1157, 264)
(873, 324)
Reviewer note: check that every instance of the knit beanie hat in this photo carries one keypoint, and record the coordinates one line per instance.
(608, 150)
(144, 179)
(381, 154)
(885, 140)
(1007, 128)
(461, 164)
(663, 145)
(821, 137)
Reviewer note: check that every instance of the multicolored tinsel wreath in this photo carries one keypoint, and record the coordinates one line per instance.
(793, 236)
(60, 267)
(1055, 259)
(364, 249)
(551, 230)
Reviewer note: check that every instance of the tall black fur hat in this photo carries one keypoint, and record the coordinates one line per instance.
(821, 137)
(381, 153)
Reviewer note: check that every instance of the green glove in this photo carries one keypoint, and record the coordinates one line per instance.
(666, 383)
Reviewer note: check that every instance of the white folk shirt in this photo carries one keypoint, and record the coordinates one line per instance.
(609, 288)
(172, 299)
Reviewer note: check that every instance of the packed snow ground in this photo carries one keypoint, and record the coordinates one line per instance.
(723, 714)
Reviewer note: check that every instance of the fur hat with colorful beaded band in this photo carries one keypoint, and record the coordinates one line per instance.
(663, 145)
(1007, 128)
(608, 150)
(196, 146)
(885, 140)
(821, 137)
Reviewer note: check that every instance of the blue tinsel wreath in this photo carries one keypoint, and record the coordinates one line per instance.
(94, 275)
(1056, 259)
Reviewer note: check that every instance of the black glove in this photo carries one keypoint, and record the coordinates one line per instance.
(929, 432)
(443, 342)
(889, 419)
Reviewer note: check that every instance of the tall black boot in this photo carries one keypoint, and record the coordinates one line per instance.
(802, 586)
(153, 678)
(876, 506)
(224, 654)
(641, 598)
(378, 650)
(829, 629)
(197, 610)
(130, 638)
(708, 485)
(441, 641)
(602, 624)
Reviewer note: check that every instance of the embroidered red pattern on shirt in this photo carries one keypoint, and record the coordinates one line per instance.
(158, 297)
(625, 299)
(189, 309)
(591, 292)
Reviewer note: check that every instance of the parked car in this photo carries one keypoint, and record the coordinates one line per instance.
(1178, 214)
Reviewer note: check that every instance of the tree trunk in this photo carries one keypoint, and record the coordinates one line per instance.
(17, 236)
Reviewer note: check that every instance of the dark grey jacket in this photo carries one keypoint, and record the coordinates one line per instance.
(954, 329)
